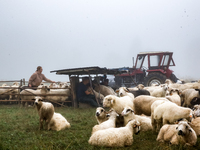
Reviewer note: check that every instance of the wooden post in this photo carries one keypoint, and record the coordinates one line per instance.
(23, 81)
(73, 82)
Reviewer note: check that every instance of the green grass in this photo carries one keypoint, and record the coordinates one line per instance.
(19, 130)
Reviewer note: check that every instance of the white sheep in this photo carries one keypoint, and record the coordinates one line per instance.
(155, 124)
(178, 134)
(195, 125)
(123, 91)
(116, 137)
(174, 96)
(142, 104)
(101, 115)
(58, 122)
(169, 112)
(45, 111)
(110, 123)
(145, 122)
(160, 92)
(117, 103)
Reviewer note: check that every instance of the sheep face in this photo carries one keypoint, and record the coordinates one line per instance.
(108, 101)
(100, 112)
(122, 91)
(174, 91)
(126, 111)
(38, 100)
(165, 87)
(136, 126)
(183, 128)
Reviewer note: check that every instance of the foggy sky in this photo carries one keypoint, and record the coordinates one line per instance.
(67, 34)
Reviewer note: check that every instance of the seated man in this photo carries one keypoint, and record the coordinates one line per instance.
(84, 95)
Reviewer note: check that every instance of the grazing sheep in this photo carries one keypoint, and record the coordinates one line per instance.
(178, 134)
(101, 115)
(160, 92)
(58, 122)
(110, 123)
(145, 122)
(117, 103)
(115, 137)
(45, 111)
(174, 96)
(169, 112)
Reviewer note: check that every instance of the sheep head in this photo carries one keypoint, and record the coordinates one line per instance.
(108, 101)
(127, 110)
(100, 112)
(183, 128)
(135, 125)
(123, 91)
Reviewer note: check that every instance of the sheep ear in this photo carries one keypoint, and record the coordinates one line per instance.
(127, 90)
(112, 101)
(107, 115)
(117, 90)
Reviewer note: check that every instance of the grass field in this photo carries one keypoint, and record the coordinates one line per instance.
(19, 130)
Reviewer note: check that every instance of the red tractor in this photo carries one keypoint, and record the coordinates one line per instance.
(150, 68)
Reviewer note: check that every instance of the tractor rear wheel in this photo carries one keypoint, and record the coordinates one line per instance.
(154, 78)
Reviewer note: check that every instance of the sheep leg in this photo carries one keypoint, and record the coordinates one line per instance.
(153, 122)
(41, 124)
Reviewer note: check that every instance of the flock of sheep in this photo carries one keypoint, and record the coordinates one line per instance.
(61, 92)
(170, 109)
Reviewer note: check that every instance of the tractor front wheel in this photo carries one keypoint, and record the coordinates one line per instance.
(154, 78)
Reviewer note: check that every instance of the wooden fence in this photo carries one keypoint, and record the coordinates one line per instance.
(17, 95)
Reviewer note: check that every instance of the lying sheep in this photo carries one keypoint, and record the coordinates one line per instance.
(45, 111)
(145, 122)
(101, 115)
(160, 92)
(174, 96)
(115, 137)
(58, 122)
(110, 123)
(169, 112)
(117, 103)
(178, 134)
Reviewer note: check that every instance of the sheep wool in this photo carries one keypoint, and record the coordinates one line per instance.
(115, 137)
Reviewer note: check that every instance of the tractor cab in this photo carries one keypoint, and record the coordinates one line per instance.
(150, 68)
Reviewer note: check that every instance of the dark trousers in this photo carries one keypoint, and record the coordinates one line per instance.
(90, 99)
